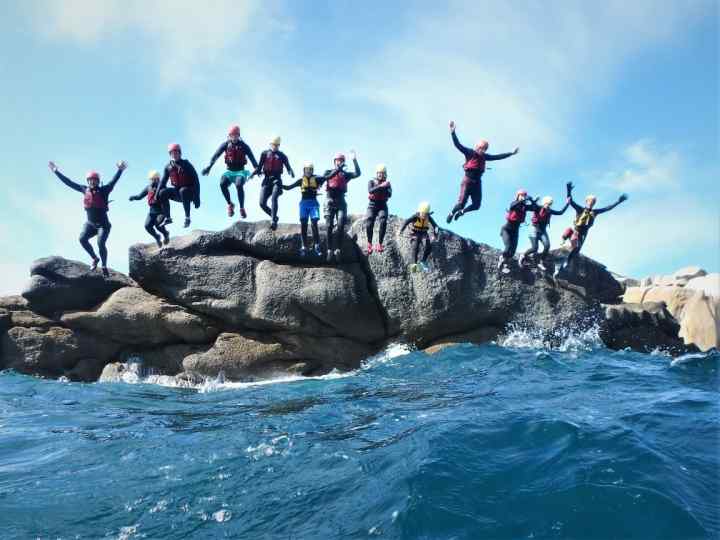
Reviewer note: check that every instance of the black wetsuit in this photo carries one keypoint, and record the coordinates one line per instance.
(235, 159)
(185, 186)
(541, 220)
(471, 185)
(584, 220)
(97, 223)
(155, 217)
(420, 235)
(377, 208)
(335, 204)
(309, 208)
(271, 165)
(510, 232)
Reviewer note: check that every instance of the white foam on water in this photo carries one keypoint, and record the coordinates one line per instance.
(522, 337)
(689, 358)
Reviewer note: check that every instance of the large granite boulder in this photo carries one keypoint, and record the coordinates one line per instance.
(136, 317)
(709, 284)
(700, 323)
(59, 284)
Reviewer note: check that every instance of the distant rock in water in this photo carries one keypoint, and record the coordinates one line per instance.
(242, 302)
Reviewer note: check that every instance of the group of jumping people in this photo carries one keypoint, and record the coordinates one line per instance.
(185, 188)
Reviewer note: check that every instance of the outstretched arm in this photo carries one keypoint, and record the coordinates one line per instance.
(294, 185)
(214, 158)
(561, 212)
(69, 183)
(462, 149)
(140, 195)
(496, 157)
(621, 199)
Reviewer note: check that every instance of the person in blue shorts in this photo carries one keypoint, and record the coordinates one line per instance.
(309, 206)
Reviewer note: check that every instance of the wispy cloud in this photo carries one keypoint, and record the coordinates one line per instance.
(646, 167)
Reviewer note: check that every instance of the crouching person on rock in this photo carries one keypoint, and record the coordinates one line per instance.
(95, 202)
(510, 232)
(185, 184)
(155, 219)
(421, 222)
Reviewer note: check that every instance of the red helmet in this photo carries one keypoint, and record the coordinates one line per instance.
(234, 131)
(482, 145)
(92, 174)
(174, 147)
(339, 157)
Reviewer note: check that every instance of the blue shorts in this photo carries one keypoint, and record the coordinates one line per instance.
(309, 208)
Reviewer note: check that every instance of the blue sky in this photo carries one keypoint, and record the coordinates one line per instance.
(614, 96)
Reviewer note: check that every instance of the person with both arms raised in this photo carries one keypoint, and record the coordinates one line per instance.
(95, 202)
(237, 153)
(584, 220)
(538, 233)
(335, 204)
(271, 164)
(309, 207)
(471, 186)
(155, 219)
(379, 191)
(185, 184)
(421, 222)
(510, 232)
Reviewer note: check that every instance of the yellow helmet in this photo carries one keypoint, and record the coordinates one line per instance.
(309, 165)
(424, 207)
(153, 174)
(275, 140)
(381, 168)
(547, 200)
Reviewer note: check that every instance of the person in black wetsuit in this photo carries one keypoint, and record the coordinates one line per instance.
(271, 164)
(95, 202)
(511, 230)
(155, 219)
(185, 184)
(584, 220)
(379, 191)
(237, 153)
(309, 207)
(540, 222)
(471, 186)
(335, 204)
(421, 222)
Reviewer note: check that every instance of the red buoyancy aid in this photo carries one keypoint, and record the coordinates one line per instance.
(273, 164)
(338, 181)
(94, 199)
(541, 217)
(516, 215)
(475, 164)
(178, 176)
(152, 196)
(235, 155)
(380, 195)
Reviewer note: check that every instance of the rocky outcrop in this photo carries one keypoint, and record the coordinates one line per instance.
(242, 302)
(57, 285)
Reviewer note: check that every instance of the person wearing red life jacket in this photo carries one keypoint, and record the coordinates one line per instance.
(335, 203)
(584, 220)
(271, 164)
(511, 230)
(155, 219)
(237, 153)
(95, 202)
(185, 184)
(471, 186)
(538, 232)
(379, 191)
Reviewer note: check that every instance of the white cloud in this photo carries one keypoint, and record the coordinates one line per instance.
(646, 168)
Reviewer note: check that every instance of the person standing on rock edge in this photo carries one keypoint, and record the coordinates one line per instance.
(155, 218)
(379, 191)
(510, 232)
(540, 222)
(471, 186)
(95, 202)
(421, 222)
(271, 164)
(185, 184)
(335, 204)
(237, 153)
(584, 220)
(309, 207)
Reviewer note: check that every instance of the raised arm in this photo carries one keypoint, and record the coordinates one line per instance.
(140, 195)
(214, 158)
(69, 183)
(249, 154)
(121, 166)
(621, 199)
(350, 176)
(561, 212)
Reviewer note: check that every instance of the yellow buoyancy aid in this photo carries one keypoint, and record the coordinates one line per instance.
(585, 219)
(421, 223)
(309, 184)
